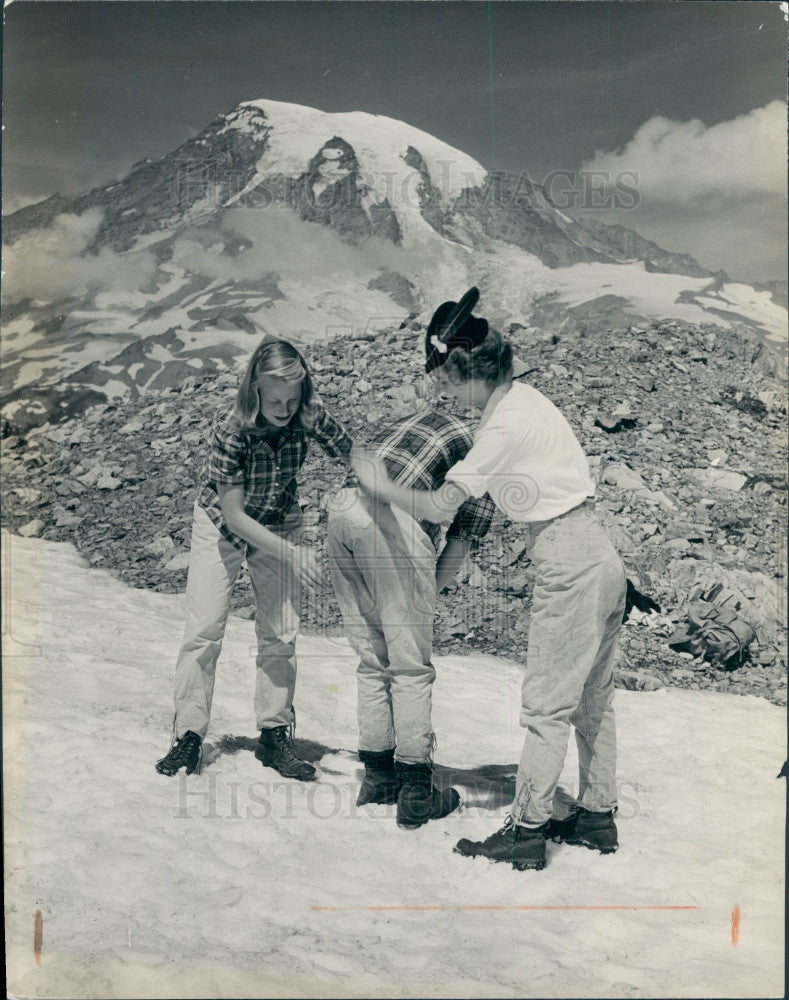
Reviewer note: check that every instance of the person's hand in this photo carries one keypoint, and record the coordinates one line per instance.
(370, 470)
(306, 566)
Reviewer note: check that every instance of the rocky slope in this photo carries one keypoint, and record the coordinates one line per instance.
(685, 427)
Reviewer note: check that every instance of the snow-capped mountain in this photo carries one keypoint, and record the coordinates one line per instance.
(286, 220)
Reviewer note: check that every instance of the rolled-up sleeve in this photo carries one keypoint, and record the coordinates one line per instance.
(472, 519)
(330, 433)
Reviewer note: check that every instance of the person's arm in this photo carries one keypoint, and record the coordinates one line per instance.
(430, 505)
(330, 434)
(304, 563)
(452, 557)
(471, 523)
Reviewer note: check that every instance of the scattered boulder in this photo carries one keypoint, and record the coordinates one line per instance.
(160, 546)
(476, 577)
(66, 520)
(613, 424)
(719, 479)
(108, 482)
(518, 582)
(178, 562)
(632, 680)
(32, 529)
(514, 550)
(624, 478)
(403, 396)
(686, 530)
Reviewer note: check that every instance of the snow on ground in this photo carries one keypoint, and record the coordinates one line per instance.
(176, 278)
(656, 295)
(747, 301)
(18, 329)
(51, 364)
(237, 883)
(329, 306)
(151, 239)
(518, 277)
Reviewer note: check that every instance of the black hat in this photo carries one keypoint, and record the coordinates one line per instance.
(453, 326)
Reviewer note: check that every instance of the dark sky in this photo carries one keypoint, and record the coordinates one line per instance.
(91, 87)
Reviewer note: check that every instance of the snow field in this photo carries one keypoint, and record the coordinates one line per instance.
(380, 145)
(236, 882)
(657, 296)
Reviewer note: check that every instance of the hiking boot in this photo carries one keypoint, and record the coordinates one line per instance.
(275, 749)
(418, 800)
(558, 829)
(185, 752)
(380, 784)
(596, 830)
(522, 847)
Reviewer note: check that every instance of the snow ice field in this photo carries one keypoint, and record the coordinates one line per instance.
(236, 883)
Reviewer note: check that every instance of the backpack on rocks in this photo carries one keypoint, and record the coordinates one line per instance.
(714, 630)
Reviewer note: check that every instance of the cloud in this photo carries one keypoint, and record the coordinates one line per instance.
(680, 162)
(278, 241)
(48, 264)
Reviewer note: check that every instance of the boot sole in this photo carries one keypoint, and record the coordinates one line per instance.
(378, 801)
(519, 866)
(415, 826)
(294, 777)
(580, 842)
(170, 772)
(529, 866)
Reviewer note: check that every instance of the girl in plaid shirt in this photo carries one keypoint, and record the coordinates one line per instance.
(247, 508)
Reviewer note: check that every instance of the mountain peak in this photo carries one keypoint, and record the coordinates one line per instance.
(287, 220)
(293, 133)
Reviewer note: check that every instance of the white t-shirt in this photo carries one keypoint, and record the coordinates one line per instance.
(526, 456)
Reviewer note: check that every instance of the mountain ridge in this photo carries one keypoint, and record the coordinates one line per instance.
(218, 163)
(291, 222)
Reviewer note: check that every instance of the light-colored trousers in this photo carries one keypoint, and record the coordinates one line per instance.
(213, 567)
(383, 569)
(579, 599)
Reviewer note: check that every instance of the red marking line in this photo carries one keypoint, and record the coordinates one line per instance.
(335, 909)
(735, 925)
(38, 935)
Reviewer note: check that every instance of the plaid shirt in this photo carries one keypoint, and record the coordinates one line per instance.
(268, 474)
(419, 451)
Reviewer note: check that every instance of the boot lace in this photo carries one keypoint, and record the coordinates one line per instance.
(283, 735)
(185, 746)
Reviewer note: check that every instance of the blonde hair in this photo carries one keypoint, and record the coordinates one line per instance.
(490, 361)
(282, 360)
